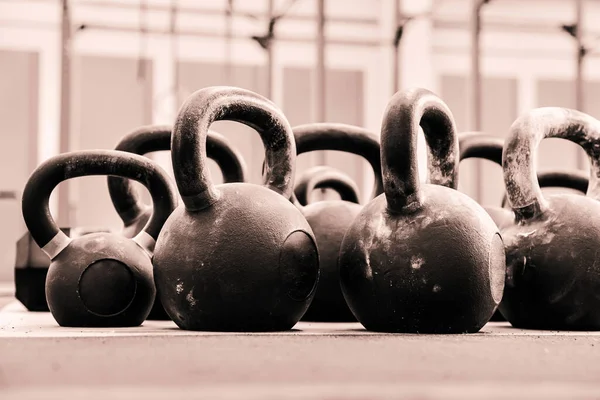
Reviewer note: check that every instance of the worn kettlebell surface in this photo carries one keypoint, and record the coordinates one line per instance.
(553, 267)
(220, 270)
(438, 270)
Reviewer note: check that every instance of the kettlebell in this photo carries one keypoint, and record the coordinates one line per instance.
(553, 269)
(127, 201)
(99, 279)
(325, 177)
(236, 256)
(488, 147)
(569, 179)
(147, 139)
(330, 219)
(421, 258)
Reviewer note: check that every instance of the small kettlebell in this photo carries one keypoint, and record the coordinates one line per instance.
(552, 258)
(147, 139)
(569, 179)
(330, 219)
(99, 279)
(488, 147)
(127, 201)
(325, 177)
(421, 258)
(236, 256)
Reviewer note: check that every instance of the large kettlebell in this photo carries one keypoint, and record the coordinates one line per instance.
(236, 256)
(330, 219)
(127, 201)
(325, 177)
(100, 279)
(147, 139)
(552, 257)
(421, 258)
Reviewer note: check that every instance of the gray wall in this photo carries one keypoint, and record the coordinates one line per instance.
(109, 101)
(499, 112)
(18, 147)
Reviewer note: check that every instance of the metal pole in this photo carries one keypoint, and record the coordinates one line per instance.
(475, 86)
(319, 82)
(174, 53)
(396, 54)
(64, 208)
(228, 39)
(270, 64)
(579, 89)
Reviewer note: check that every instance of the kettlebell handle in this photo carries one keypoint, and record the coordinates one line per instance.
(520, 154)
(570, 179)
(223, 103)
(147, 139)
(480, 145)
(39, 187)
(326, 177)
(406, 111)
(342, 137)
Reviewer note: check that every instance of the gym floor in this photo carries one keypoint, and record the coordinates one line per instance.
(39, 359)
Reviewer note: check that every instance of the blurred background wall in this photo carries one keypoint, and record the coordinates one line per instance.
(128, 69)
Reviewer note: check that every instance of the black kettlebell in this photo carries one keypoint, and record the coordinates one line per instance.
(422, 258)
(553, 268)
(100, 279)
(569, 179)
(147, 139)
(330, 219)
(488, 147)
(325, 177)
(127, 201)
(236, 256)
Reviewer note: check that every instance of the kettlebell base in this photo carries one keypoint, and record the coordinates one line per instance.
(446, 330)
(226, 326)
(555, 326)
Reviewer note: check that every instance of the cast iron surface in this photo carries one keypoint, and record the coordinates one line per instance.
(237, 256)
(325, 177)
(553, 270)
(99, 279)
(569, 179)
(421, 257)
(330, 220)
(128, 202)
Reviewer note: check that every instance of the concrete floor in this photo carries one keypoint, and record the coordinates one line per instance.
(38, 359)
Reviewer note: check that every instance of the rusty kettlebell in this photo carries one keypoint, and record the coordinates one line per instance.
(236, 256)
(325, 177)
(330, 219)
(553, 269)
(127, 201)
(574, 179)
(421, 258)
(100, 279)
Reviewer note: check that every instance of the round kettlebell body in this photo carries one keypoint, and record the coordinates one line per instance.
(429, 271)
(261, 276)
(553, 269)
(552, 279)
(239, 256)
(98, 279)
(422, 258)
(88, 279)
(331, 219)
